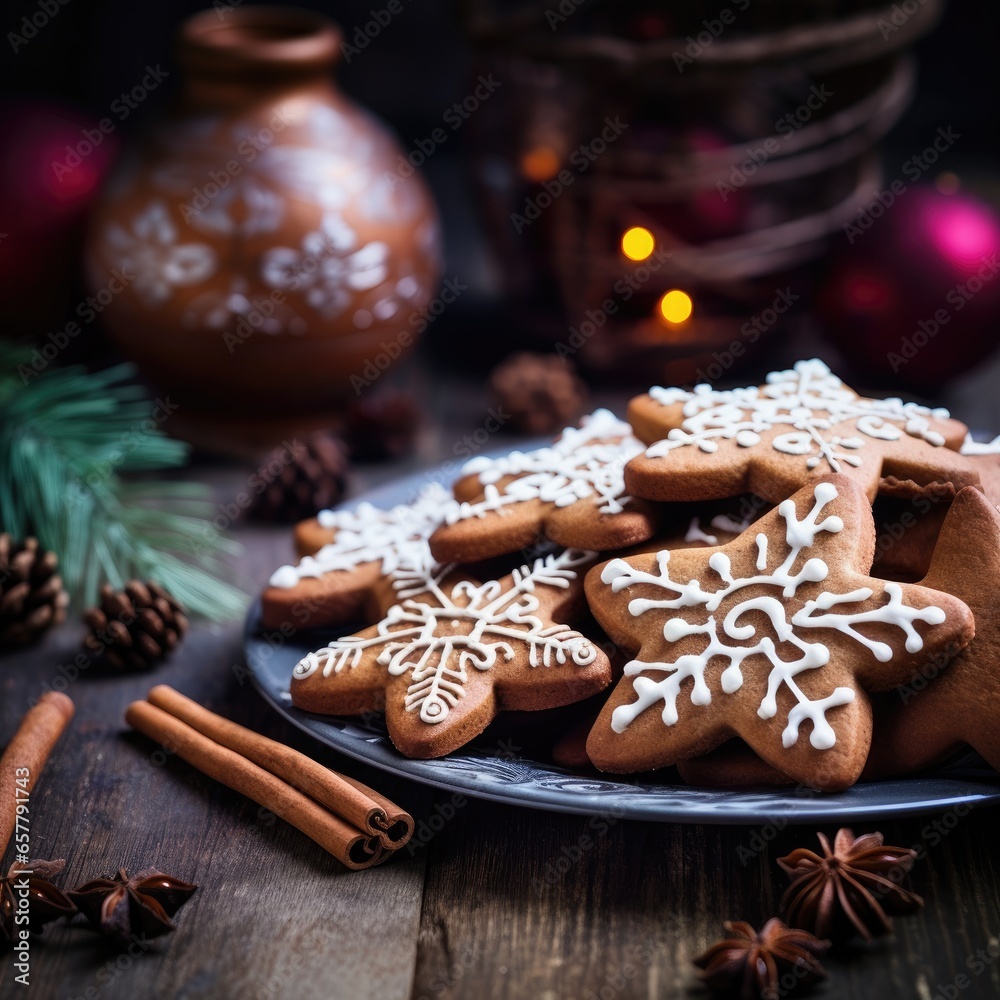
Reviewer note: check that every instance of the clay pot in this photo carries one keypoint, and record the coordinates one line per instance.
(268, 248)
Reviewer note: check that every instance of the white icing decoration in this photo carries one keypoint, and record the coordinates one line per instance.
(726, 522)
(695, 534)
(584, 462)
(497, 617)
(822, 611)
(721, 522)
(970, 447)
(397, 538)
(809, 400)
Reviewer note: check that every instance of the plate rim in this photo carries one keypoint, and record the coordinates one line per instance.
(708, 806)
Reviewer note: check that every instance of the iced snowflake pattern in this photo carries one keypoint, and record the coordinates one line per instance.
(584, 462)
(825, 611)
(397, 538)
(439, 637)
(809, 400)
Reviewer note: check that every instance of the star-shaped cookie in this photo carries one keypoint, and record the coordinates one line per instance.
(773, 439)
(571, 492)
(776, 638)
(450, 652)
(359, 547)
(948, 706)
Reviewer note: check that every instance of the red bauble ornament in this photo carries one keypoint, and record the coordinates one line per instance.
(913, 290)
(52, 163)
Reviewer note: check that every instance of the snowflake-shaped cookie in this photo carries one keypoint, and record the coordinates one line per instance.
(345, 553)
(774, 637)
(773, 439)
(571, 492)
(450, 652)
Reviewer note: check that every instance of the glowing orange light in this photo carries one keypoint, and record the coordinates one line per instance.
(539, 164)
(676, 306)
(637, 243)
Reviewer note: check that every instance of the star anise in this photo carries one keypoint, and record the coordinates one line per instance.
(765, 965)
(850, 889)
(141, 904)
(45, 901)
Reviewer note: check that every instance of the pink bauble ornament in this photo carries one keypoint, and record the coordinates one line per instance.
(912, 292)
(52, 162)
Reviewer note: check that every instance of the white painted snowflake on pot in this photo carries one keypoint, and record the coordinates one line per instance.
(150, 251)
(799, 614)
(224, 309)
(329, 267)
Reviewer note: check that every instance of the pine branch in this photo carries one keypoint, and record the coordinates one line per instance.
(66, 435)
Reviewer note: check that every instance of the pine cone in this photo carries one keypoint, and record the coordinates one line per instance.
(32, 598)
(308, 476)
(538, 393)
(134, 628)
(381, 426)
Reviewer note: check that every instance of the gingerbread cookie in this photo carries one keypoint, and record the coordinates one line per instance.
(949, 705)
(774, 439)
(985, 457)
(732, 765)
(362, 546)
(571, 493)
(780, 631)
(450, 652)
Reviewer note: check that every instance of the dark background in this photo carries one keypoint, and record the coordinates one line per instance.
(91, 51)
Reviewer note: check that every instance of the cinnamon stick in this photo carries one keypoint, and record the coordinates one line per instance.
(26, 754)
(355, 802)
(349, 845)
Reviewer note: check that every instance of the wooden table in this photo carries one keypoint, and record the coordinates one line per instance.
(480, 910)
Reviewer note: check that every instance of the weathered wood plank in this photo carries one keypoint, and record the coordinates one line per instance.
(523, 904)
(274, 915)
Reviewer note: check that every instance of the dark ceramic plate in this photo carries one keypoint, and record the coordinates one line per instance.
(479, 771)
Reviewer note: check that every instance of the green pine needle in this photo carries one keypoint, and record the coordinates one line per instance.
(65, 436)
